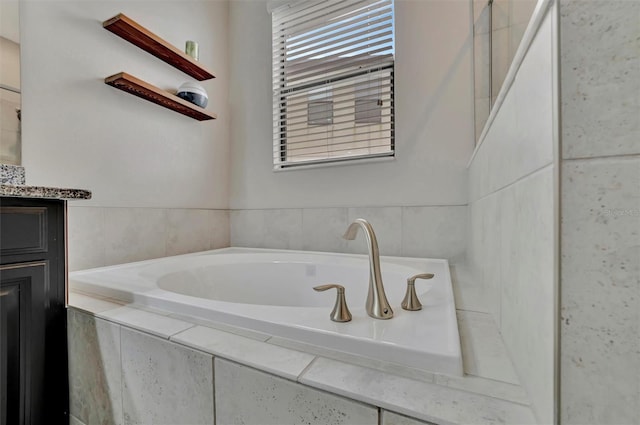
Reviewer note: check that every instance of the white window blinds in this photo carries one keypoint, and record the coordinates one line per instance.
(332, 81)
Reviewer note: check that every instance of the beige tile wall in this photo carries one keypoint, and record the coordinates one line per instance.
(511, 214)
(100, 236)
(430, 232)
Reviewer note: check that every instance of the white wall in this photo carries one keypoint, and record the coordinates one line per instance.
(434, 117)
(79, 132)
(157, 177)
(512, 242)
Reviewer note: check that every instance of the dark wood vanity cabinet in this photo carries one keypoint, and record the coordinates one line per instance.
(33, 341)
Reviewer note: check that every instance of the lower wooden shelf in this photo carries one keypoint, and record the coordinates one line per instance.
(137, 87)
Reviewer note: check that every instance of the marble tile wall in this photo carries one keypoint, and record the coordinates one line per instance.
(511, 245)
(164, 382)
(600, 360)
(75, 421)
(600, 213)
(94, 370)
(390, 418)
(105, 236)
(248, 396)
(122, 376)
(435, 232)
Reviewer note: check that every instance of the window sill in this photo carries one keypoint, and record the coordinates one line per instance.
(343, 163)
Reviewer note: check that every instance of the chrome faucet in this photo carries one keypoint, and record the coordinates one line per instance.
(377, 305)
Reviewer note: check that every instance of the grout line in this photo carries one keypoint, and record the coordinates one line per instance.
(306, 368)
(354, 206)
(513, 183)
(556, 66)
(121, 374)
(473, 311)
(595, 158)
(213, 382)
(170, 337)
(403, 223)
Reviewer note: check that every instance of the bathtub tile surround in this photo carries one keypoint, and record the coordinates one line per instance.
(185, 231)
(282, 228)
(434, 232)
(246, 333)
(407, 396)
(245, 395)
(600, 213)
(132, 234)
(270, 358)
(482, 349)
(390, 418)
(247, 228)
(94, 369)
(487, 387)
(512, 242)
(601, 290)
(85, 237)
(160, 379)
(322, 229)
(105, 236)
(527, 319)
(419, 397)
(154, 323)
(427, 232)
(92, 304)
(468, 289)
(600, 81)
(370, 363)
(386, 222)
(75, 421)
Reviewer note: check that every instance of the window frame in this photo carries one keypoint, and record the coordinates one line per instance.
(281, 162)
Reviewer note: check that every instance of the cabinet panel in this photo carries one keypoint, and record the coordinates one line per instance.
(23, 230)
(23, 289)
(11, 395)
(32, 273)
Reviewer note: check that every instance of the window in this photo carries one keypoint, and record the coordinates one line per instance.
(369, 104)
(320, 107)
(333, 66)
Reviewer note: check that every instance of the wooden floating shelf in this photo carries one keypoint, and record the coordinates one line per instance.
(130, 30)
(137, 87)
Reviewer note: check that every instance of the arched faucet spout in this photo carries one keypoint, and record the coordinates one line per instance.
(377, 305)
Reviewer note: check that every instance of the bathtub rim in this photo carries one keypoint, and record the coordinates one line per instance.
(138, 300)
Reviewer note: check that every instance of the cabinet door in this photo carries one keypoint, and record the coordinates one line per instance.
(23, 289)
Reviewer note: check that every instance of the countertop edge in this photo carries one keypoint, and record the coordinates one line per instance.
(42, 192)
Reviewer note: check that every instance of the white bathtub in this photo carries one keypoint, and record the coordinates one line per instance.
(271, 291)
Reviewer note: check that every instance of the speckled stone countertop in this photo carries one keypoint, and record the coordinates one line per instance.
(11, 174)
(25, 191)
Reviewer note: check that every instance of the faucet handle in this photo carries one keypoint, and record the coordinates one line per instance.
(340, 311)
(411, 301)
